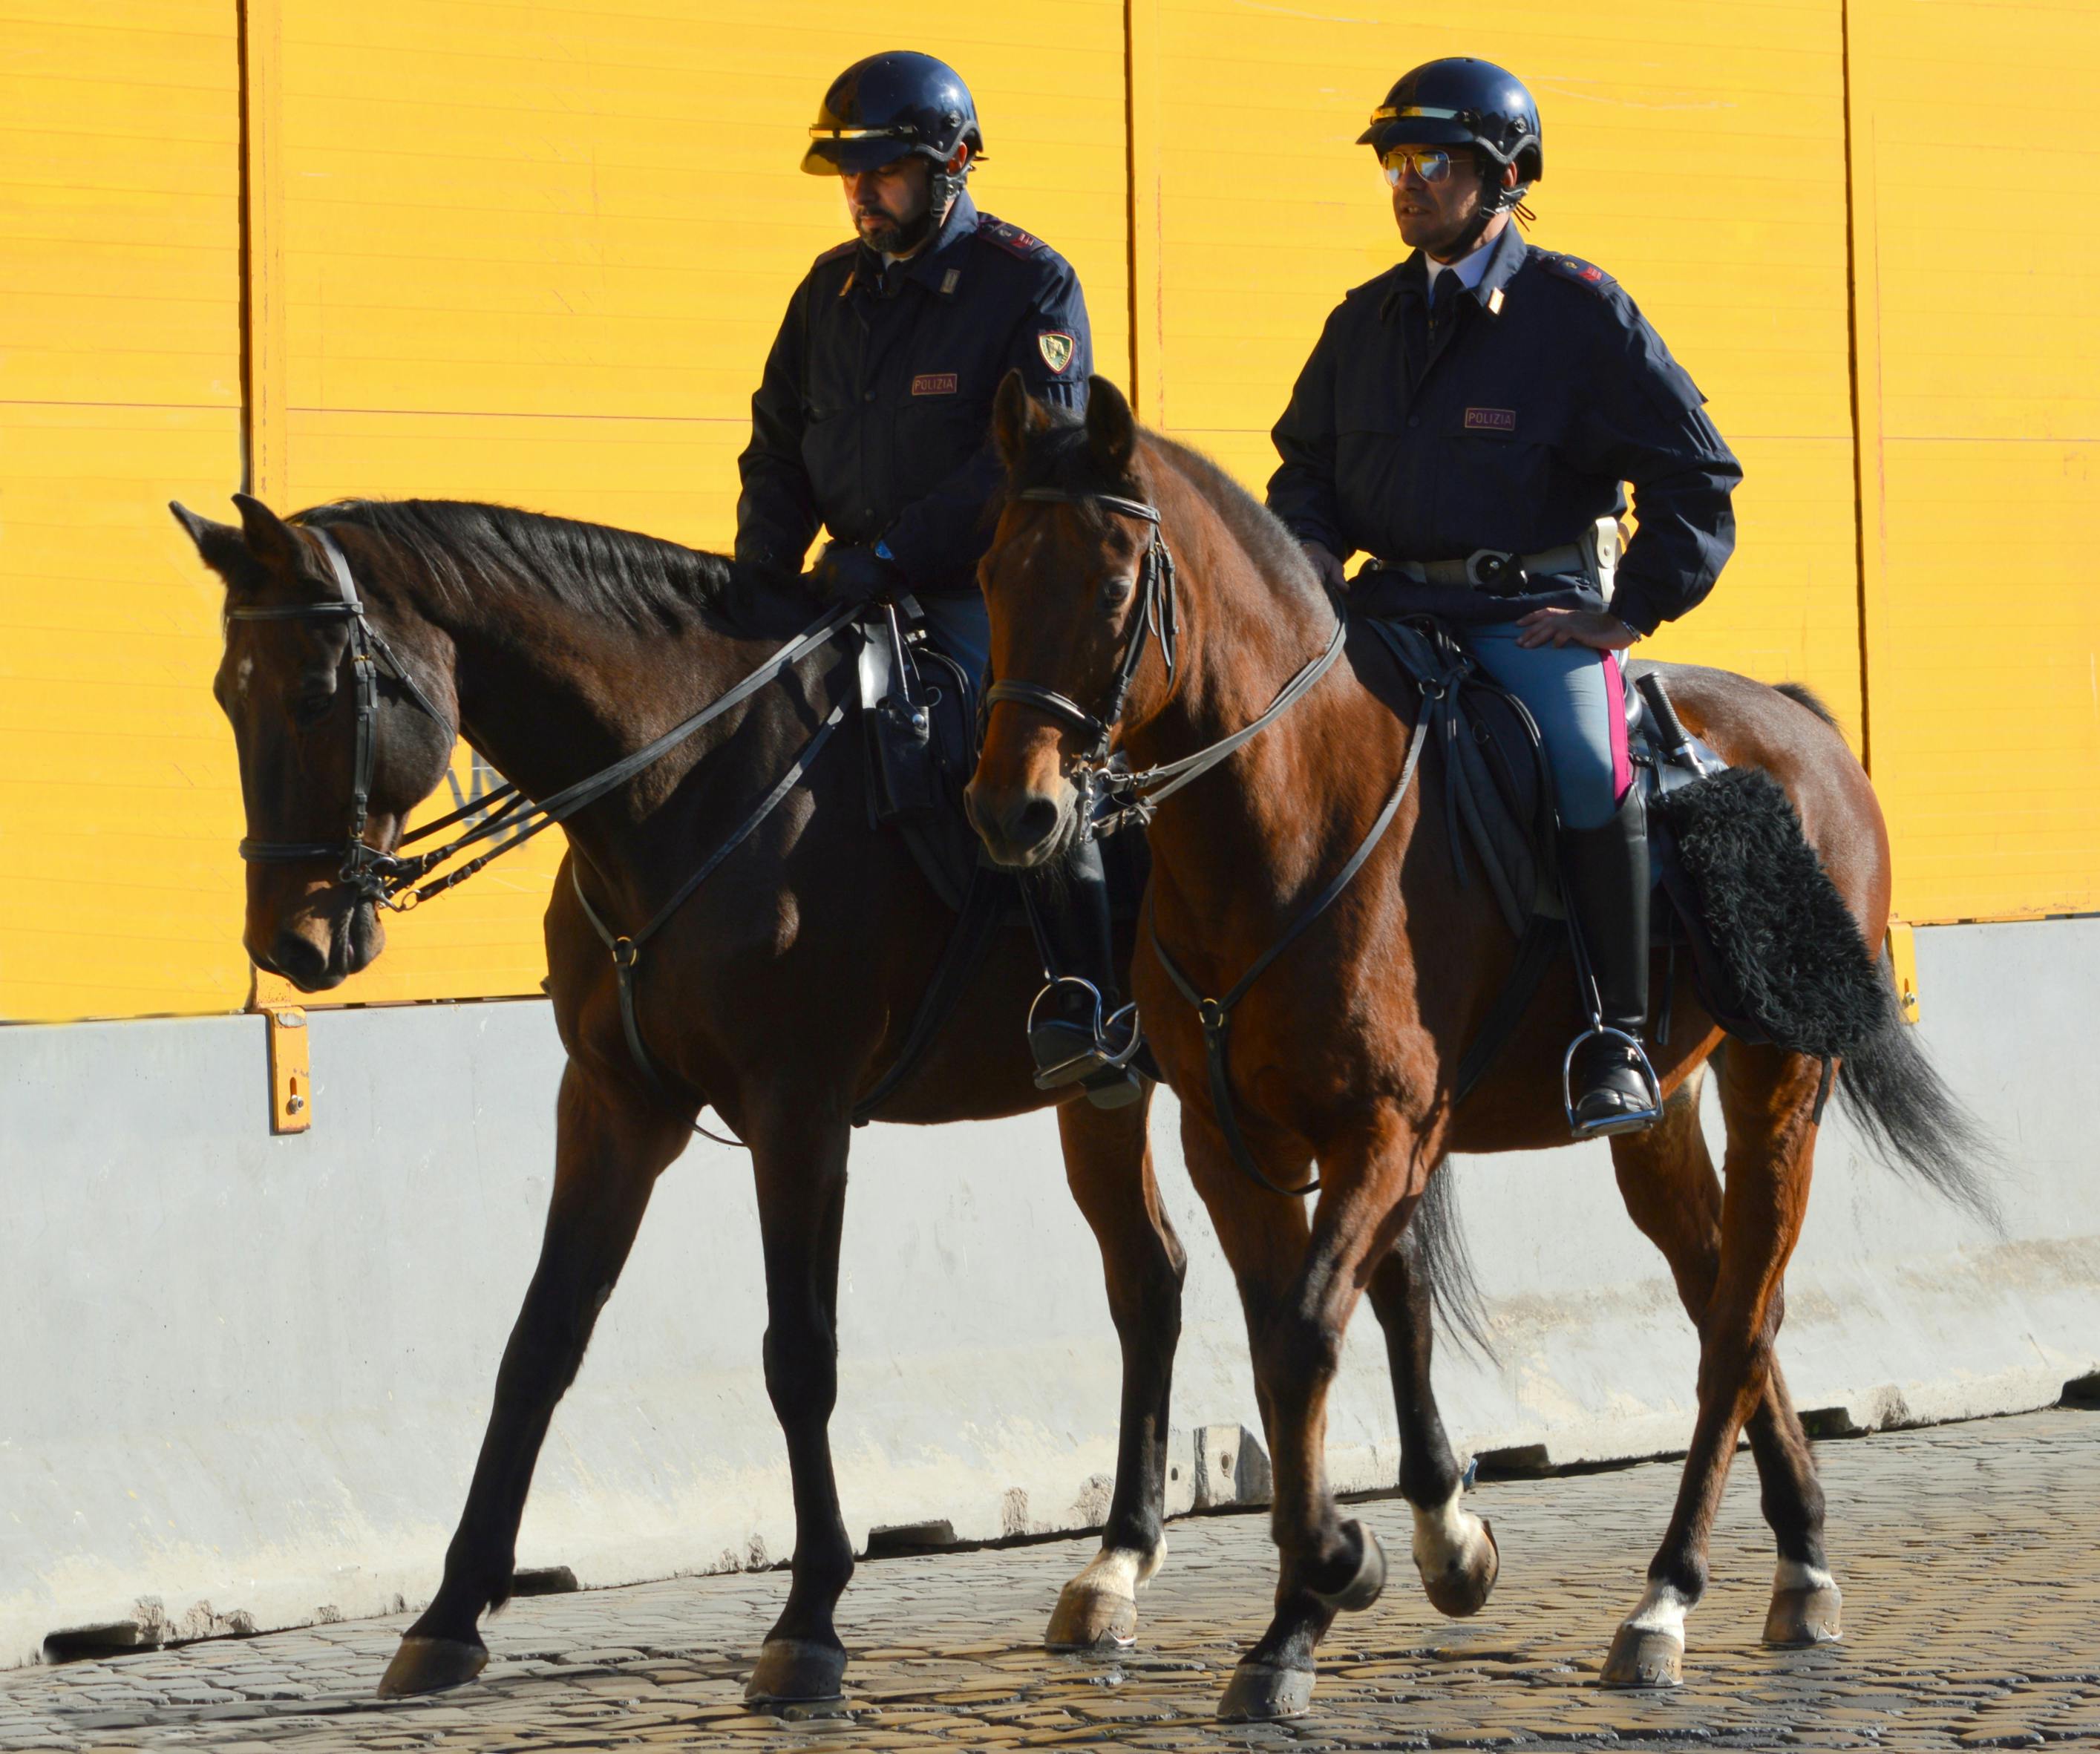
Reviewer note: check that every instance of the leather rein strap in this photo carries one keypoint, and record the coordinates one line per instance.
(394, 882)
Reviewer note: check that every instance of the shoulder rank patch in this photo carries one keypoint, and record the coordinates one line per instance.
(1056, 347)
(1574, 268)
(1009, 238)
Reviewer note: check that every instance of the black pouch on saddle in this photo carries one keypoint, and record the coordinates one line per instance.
(897, 707)
(1778, 954)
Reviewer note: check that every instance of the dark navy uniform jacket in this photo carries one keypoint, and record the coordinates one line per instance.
(874, 417)
(1512, 430)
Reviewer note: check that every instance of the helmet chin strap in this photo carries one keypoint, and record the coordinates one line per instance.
(1495, 199)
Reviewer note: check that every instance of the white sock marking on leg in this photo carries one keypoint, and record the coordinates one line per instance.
(1661, 1610)
(1443, 1536)
(1792, 1575)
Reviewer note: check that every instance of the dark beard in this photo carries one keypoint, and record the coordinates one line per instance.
(891, 239)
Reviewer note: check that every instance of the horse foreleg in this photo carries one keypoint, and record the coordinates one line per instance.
(609, 1151)
(1455, 1550)
(1108, 1163)
(798, 1150)
(1299, 1291)
(1767, 1096)
(1671, 1191)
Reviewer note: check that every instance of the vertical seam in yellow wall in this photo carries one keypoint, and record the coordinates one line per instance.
(262, 347)
(1862, 335)
(1148, 383)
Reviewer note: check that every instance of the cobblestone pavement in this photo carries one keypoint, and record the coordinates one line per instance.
(1969, 1557)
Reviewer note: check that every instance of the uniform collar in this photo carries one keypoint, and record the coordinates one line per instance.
(930, 267)
(1502, 258)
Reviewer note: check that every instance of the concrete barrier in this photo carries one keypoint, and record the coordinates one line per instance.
(246, 1376)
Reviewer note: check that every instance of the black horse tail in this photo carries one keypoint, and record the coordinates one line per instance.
(1447, 1262)
(1912, 1121)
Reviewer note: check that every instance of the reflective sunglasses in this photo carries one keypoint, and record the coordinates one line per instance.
(1432, 164)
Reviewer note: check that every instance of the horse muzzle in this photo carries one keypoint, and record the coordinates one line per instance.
(318, 941)
(1021, 828)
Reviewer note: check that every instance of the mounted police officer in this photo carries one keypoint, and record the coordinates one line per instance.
(874, 419)
(1468, 419)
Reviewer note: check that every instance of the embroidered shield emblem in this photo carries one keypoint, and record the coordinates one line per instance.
(1056, 347)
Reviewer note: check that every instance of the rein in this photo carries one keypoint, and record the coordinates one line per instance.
(394, 882)
(1134, 797)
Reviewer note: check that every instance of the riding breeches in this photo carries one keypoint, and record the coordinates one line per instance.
(961, 627)
(1577, 695)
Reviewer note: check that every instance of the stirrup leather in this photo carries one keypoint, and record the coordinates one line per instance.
(1630, 1121)
(1096, 1040)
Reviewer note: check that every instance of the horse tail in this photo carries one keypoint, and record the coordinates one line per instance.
(1447, 1262)
(1912, 1121)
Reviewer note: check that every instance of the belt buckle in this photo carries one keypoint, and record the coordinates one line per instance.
(1495, 571)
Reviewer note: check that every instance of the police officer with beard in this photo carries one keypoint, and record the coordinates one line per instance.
(1468, 419)
(874, 418)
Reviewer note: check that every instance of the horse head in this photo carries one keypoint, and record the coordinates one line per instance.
(316, 692)
(1071, 585)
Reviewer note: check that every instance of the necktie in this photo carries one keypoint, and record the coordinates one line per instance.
(1443, 307)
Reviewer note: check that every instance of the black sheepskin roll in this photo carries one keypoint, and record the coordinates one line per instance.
(1784, 938)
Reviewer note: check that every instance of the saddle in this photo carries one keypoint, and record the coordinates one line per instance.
(1498, 801)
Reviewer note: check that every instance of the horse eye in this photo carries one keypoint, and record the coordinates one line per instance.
(310, 706)
(1115, 591)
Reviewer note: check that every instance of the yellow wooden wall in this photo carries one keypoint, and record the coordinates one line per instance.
(535, 253)
(1979, 304)
(120, 388)
(1691, 170)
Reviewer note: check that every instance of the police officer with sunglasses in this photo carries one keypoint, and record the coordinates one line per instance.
(1470, 420)
(874, 422)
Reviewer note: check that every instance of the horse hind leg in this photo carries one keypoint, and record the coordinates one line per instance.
(1108, 1163)
(608, 1153)
(1454, 1551)
(1729, 1249)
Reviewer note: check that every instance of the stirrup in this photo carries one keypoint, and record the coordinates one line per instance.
(1095, 1042)
(1633, 1121)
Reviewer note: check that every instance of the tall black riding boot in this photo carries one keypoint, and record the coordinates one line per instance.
(1078, 1029)
(1612, 1088)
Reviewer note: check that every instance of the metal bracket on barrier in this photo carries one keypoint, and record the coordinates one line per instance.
(291, 1070)
(1903, 958)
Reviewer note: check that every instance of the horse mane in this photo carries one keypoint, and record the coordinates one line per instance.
(1058, 455)
(473, 549)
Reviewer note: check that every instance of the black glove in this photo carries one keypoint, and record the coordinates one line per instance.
(847, 572)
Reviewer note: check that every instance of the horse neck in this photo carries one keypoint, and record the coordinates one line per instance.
(549, 693)
(1246, 837)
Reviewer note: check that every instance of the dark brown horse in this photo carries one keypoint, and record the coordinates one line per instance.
(1342, 1053)
(780, 992)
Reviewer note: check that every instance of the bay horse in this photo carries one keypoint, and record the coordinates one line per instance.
(1136, 590)
(361, 638)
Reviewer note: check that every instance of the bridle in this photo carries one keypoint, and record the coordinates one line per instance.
(1113, 797)
(392, 881)
(365, 868)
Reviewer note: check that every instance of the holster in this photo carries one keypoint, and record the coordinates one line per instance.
(904, 781)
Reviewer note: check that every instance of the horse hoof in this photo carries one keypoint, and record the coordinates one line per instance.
(1464, 1588)
(1807, 1616)
(431, 1665)
(1365, 1587)
(1090, 1616)
(1641, 1656)
(791, 1670)
(1259, 1692)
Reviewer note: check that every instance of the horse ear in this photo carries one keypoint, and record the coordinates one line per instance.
(220, 547)
(269, 538)
(1015, 417)
(1111, 428)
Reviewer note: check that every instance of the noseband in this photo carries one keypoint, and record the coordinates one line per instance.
(1113, 797)
(364, 868)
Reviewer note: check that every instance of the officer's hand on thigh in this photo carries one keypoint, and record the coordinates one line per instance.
(1599, 629)
(847, 572)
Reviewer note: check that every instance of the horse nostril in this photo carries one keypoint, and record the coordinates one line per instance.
(299, 960)
(1034, 823)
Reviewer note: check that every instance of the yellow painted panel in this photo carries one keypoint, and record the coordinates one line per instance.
(1692, 151)
(1980, 426)
(119, 379)
(537, 253)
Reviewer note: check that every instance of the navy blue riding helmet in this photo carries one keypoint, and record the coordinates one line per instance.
(899, 105)
(1460, 101)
